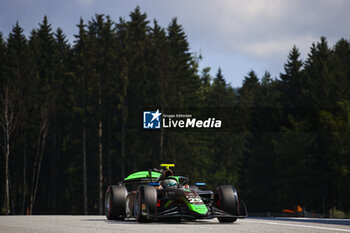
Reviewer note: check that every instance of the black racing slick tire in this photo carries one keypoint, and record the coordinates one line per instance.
(228, 202)
(115, 202)
(146, 203)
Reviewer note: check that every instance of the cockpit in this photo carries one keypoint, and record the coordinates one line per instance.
(169, 183)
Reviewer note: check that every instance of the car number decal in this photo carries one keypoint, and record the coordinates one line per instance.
(193, 200)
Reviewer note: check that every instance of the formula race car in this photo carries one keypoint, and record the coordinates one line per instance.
(154, 196)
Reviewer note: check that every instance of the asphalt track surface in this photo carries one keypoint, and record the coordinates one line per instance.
(80, 224)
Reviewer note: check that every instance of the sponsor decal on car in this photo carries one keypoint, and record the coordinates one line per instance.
(193, 198)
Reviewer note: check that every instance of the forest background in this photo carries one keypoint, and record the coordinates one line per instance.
(71, 119)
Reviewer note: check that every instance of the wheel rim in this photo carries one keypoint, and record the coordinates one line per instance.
(108, 203)
(136, 206)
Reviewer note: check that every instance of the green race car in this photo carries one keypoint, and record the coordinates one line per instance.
(153, 196)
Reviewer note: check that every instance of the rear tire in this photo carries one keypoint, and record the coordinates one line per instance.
(146, 201)
(115, 202)
(228, 200)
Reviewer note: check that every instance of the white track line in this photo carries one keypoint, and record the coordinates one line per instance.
(297, 225)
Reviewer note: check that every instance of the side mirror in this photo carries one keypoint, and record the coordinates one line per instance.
(200, 184)
(154, 184)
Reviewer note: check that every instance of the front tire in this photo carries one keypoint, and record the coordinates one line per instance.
(146, 203)
(115, 202)
(228, 199)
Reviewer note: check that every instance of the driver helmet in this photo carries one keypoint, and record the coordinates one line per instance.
(170, 183)
(167, 173)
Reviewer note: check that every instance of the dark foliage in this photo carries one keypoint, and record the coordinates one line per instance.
(79, 110)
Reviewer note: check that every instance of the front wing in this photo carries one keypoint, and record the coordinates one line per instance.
(213, 212)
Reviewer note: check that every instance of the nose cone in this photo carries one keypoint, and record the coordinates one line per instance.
(200, 209)
(194, 202)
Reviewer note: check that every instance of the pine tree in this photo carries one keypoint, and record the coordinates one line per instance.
(18, 72)
(102, 36)
(206, 80)
(82, 70)
(56, 136)
(158, 86)
(2, 81)
(250, 83)
(124, 50)
(183, 68)
(219, 80)
(319, 78)
(342, 68)
(2, 58)
(139, 80)
(205, 77)
(249, 97)
(43, 50)
(291, 80)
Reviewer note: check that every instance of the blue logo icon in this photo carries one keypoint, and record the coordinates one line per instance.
(151, 119)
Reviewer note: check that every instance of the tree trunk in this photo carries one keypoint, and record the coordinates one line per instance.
(161, 149)
(12, 196)
(37, 173)
(53, 152)
(100, 148)
(84, 148)
(7, 164)
(31, 203)
(24, 174)
(6, 125)
(39, 153)
(84, 169)
(124, 82)
(110, 147)
(100, 167)
(123, 141)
